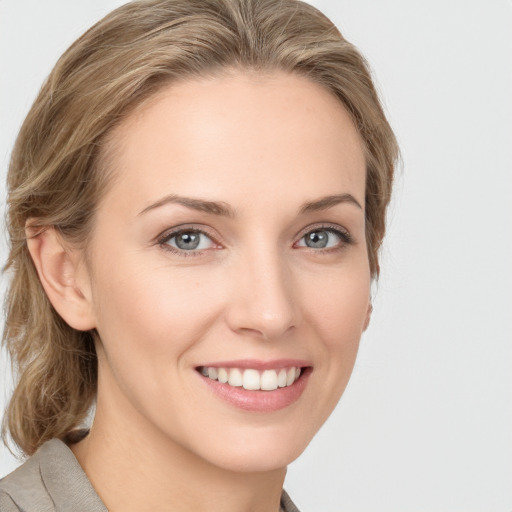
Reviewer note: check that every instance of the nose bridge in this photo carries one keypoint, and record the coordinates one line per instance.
(263, 301)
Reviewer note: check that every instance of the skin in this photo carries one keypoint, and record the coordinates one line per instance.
(263, 146)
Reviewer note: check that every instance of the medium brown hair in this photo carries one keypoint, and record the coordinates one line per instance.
(58, 170)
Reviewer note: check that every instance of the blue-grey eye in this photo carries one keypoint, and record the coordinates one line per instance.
(190, 241)
(320, 239)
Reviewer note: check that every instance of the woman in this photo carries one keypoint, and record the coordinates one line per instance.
(196, 203)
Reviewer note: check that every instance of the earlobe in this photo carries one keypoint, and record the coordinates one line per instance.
(61, 273)
(368, 316)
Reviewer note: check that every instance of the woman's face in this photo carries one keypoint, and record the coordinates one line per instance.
(231, 245)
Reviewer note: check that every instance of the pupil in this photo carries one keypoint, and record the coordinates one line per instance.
(317, 239)
(187, 240)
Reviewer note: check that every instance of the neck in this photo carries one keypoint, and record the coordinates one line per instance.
(134, 468)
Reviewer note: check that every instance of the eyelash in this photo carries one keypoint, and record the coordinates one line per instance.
(169, 235)
(343, 234)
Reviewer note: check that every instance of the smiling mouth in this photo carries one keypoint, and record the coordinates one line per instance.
(252, 379)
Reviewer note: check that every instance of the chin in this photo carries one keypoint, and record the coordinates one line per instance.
(257, 449)
(255, 461)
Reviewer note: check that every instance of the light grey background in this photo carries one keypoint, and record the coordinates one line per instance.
(426, 422)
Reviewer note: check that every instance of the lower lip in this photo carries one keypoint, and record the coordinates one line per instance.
(259, 401)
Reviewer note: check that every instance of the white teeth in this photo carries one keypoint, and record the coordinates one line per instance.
(281, 378)
(235, 377)
(222, 375)
(269, 380)
(251, 379)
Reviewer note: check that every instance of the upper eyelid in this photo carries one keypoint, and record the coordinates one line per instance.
(323, 225)
(171, 232)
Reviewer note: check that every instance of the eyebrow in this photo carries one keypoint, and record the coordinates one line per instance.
(328, 202)
(224, 210)
(212, 207)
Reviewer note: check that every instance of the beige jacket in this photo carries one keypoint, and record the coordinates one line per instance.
(52, 480)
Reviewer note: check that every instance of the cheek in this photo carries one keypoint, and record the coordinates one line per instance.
(152, 312)
(148, 321)
(337, 305)
(336, 310)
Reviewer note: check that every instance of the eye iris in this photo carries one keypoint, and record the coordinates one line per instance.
(317, 239)
(187, 241)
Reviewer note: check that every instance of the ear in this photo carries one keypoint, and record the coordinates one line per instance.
(368, 316)
(63, 276)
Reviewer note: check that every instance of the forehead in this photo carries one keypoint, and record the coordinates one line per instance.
(239, 130)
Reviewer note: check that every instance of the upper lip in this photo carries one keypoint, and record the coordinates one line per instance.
(258, 364)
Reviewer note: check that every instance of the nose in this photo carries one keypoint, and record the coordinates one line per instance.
(262, 302)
